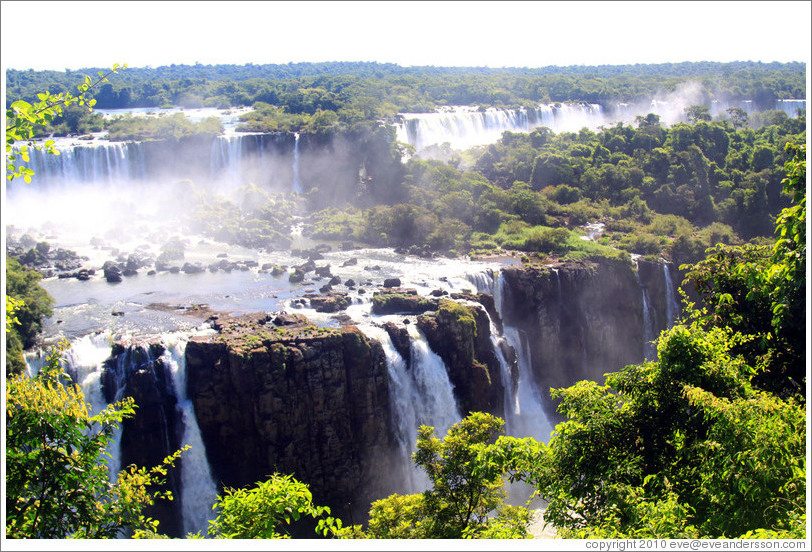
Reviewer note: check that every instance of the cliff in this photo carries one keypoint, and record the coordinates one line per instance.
(138, 371)
(460, 334)
(285, 396)
(582, 320)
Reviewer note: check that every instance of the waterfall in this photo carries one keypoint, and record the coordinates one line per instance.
(649, 352)
(226, 158)
(84, 361)
(485, 283)
(296, 186)
(524, 407)
(198, 489)
(513, 407)
(106, 163)
(671, 303)
(464, 127)
(531, 420)
(437, 406)
(419, 395)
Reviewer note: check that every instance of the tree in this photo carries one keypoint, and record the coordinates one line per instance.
(57, 481)
(696, 113)
(23, 119)
(760, 290)
(683, 447)
(738, 117)
(467, 496)
(265, 511)
(30, 305)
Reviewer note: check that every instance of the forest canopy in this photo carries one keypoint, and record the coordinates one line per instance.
(380, 90)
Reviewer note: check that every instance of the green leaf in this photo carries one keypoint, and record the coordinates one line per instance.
(21, 106)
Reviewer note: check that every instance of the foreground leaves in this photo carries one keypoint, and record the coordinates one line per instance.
(57, 481)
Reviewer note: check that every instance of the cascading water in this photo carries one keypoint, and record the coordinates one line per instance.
(531, 420)
(671, 303)
(513, 407)
(84, 361)
(296, 186)
(463, 127)
(99, 161)
(524, 408)
(437, 406)
(649, 334)
(108, 163)
(199, 490)
(420, 395)
(484, 283)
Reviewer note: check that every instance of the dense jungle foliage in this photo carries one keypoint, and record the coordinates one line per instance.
(671, 191)
(389, 88)
(31, 305)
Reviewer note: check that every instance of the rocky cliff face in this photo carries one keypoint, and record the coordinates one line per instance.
(460, 334)
(285, 396)
(137, 371)
(583, 320)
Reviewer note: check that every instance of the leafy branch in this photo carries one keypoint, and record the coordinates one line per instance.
(23, 118)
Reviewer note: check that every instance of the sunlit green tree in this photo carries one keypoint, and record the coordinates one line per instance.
(57, 481)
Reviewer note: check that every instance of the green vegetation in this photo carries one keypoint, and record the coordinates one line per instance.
(730, 464)
(706, 441)
(709, 440)
(466, 499)
(265, 511)
(324, 98)
(167, 127)
(252, 217)
(24, 119)
(57, 481)
(659, 191)
(374, 90)
(27, 306)
(402, 302)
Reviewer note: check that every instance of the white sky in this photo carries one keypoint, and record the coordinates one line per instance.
(481, 33)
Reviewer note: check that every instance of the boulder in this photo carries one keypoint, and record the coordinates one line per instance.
(323, 271)
(193, 268)
(112, 272)
(329, 301)
(460, 335)
(401, 301)
(400, 340)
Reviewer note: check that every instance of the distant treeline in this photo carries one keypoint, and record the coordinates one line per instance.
(379, 90)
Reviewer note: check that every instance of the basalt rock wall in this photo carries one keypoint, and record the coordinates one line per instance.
(460, 334)
(137, 371)
(290, 398)
(583, 319)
